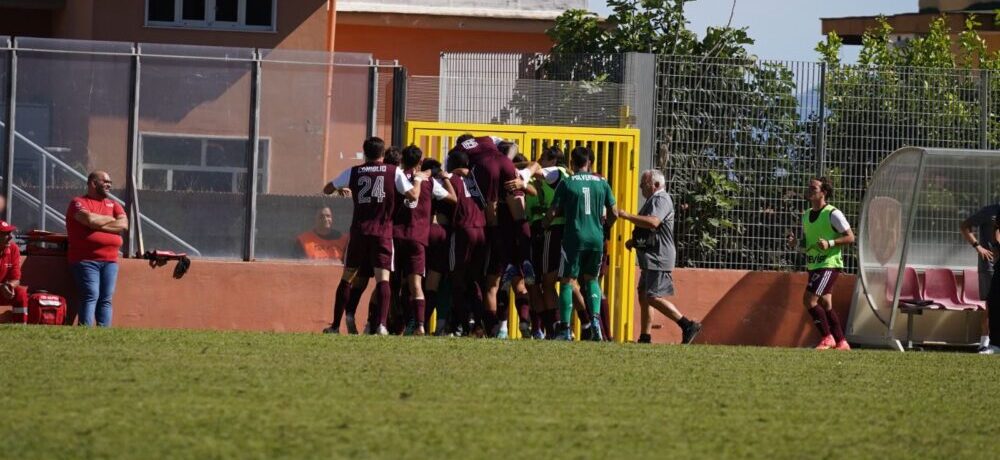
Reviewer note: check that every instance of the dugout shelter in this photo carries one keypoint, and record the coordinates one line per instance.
(918, 281)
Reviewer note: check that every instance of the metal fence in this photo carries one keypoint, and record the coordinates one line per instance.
(738, 139)
(218, 152)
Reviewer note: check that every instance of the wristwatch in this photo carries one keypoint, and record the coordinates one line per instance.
(975, 244)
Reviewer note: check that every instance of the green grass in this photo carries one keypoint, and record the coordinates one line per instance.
(79, 393)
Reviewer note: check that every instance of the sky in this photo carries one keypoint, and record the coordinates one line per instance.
(783, 29)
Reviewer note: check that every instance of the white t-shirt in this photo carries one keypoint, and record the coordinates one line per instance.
(551, 174)
(438, 190)
(403, 184)
(839, 222)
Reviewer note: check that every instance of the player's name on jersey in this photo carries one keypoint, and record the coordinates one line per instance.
(587, 177)
(373, 168)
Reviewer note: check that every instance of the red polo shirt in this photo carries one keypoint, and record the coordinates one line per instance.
(89, 244)
(10, 263)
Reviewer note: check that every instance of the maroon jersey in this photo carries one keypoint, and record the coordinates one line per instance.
(467, 212)
(413, 220)
(373, 190)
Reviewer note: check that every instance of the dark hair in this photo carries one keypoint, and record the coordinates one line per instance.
(825, 185)
(554, 153)
(581, 155)
(411, 156)
(504, 147)
(457, 158)
(392, 156)
(519, 159)
(430, 163)
(374, 148)
(463, 138)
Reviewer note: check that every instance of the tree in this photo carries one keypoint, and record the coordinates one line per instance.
(721, 117)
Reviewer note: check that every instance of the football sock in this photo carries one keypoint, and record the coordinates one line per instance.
(340, 302)
(566, 302)
(355, 298)
(431, 305)
(593, 297)
(523, 308)
(605, 318)
(384, 294)
(419, 310)
(835, 328)
(820, 320)
(684, 323)
(522, 236)
(984, 341)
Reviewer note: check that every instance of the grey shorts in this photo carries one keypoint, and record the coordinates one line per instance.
(656, 283)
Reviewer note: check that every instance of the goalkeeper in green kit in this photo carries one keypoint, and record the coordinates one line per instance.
(584, 200)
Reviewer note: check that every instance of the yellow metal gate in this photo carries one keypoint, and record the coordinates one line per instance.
(615, 150)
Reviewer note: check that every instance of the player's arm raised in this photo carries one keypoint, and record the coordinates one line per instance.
(339, 186)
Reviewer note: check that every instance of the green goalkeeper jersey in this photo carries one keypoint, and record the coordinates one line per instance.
(582, 199)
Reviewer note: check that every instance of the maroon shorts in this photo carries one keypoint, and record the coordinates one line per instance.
(468, 250)
(411, 257)
(498, 254)
(437, 249)
(546, 248)
(366, 253)
(821, 281)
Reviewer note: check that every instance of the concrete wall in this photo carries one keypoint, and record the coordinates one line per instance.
(737, 307)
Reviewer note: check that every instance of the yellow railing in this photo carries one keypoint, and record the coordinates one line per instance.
(616, 151)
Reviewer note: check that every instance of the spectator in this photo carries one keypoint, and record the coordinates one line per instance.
(94, 223)
(653, 240)
(322, 242)
(11, 292)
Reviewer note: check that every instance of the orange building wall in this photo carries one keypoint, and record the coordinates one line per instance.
(736, 307)
(301, 24)
(419, 49)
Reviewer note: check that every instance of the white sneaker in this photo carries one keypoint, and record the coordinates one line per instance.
(990, 350)
(382, 330)
(352, 327)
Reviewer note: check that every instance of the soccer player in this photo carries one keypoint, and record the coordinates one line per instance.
(411, 232)
(373, 187)
(582, 199)
(826, 233)
(491, 170)
(438, 243)
(467, 253)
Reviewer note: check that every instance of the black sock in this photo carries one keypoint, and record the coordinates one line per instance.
(684, 323)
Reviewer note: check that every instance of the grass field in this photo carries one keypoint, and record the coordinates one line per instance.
(78, 393)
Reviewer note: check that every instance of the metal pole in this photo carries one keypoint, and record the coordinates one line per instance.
(984, 109)
(398, 105)
(132, 161)
(43, 171)
(8, 164)
(821, 136)
(372, 99)
(253, 156)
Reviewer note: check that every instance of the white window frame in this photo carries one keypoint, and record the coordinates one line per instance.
(263, 183)
(209, 22)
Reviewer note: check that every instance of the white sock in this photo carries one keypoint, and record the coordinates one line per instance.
(984, 341)
(503, 325)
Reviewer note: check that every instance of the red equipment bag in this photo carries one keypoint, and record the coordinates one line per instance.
(42, 243)
(45, 308)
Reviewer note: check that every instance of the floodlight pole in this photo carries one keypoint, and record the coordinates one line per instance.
(372, 117)
(901, 272)
(398, 104)
(8, 164)
(253, 157)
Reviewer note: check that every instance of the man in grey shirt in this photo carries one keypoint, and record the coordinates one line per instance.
(653, 240)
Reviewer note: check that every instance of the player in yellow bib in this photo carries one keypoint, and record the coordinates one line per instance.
(826, 232)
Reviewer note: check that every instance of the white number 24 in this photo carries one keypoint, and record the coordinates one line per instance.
(370, 190)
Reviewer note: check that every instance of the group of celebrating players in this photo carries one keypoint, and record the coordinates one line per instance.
(486, 221)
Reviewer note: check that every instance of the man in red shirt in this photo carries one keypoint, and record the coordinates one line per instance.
(322, 242)
(11, 292)
(94, 223)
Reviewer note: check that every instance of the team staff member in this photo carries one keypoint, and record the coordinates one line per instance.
(322, 242)
(94, 223)
(986, 245)
(11, 291)
(826, 233)
(583, 199)
(653, 240)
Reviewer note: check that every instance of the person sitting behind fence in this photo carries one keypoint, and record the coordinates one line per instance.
(11, 291)
(322, 242)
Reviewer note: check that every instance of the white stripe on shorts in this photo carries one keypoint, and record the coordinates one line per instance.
(822, 284)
